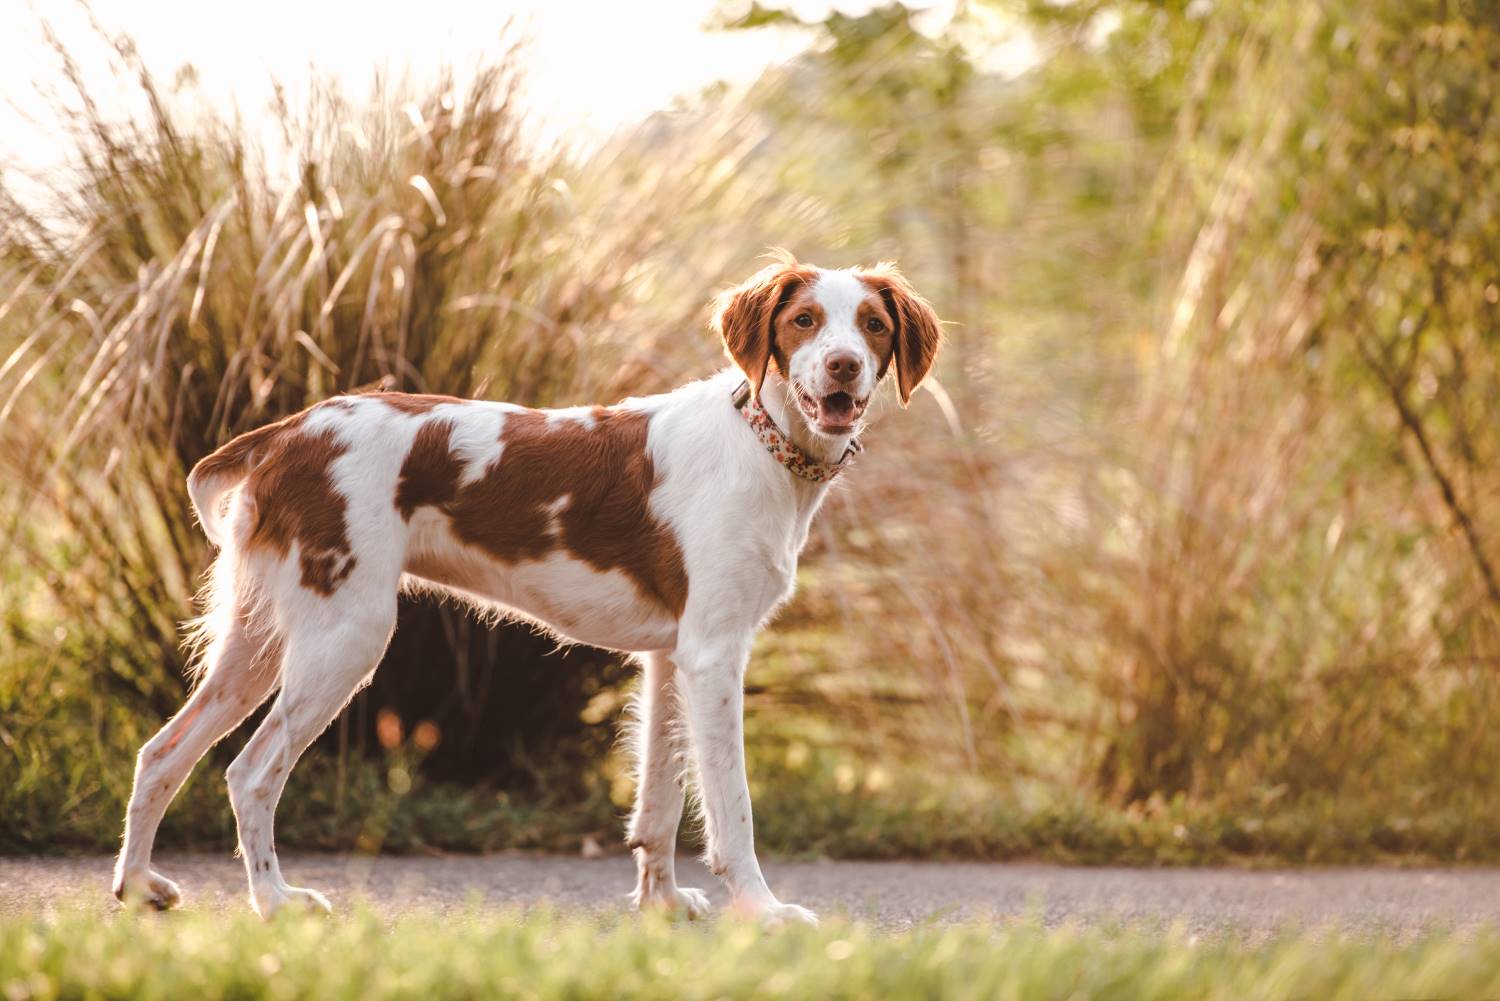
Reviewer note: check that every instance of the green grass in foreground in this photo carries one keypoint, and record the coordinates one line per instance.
(87, 954)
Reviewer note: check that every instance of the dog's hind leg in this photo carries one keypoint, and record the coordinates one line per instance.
(332, 648)
(658, 798)
(239, 671)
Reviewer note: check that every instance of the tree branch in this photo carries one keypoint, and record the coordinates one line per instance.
(1413, 424)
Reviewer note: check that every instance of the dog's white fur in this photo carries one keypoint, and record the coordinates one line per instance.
(740, 520)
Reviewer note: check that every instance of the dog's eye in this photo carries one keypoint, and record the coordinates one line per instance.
(874, 325)
(804, 320)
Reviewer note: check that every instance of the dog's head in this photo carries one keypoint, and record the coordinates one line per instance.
(831, 334)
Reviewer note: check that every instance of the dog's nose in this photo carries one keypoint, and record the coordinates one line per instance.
(843, 366)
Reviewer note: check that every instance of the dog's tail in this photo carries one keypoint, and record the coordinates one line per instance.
(231, 591)
(217, 475)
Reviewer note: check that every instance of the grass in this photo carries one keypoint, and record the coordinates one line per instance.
(83, 954)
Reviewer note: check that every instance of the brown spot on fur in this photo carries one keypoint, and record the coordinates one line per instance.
(295, 501)
(583, 487)
(431, 471)
(414, 404)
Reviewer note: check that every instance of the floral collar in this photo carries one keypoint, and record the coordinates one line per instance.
(782, 447)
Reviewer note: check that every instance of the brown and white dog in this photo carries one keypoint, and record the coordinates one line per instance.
(667, 526)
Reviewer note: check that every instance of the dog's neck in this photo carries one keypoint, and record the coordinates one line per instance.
(776, 397)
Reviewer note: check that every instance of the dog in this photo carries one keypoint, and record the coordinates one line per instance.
(666, 526)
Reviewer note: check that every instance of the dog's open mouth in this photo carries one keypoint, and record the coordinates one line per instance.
(835, 413)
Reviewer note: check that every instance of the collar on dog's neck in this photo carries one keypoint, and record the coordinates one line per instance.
(780, 445)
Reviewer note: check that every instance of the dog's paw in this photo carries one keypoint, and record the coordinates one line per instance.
(778, 914)
(149, 889)
(679, 901)
(279, 899)
(692, 904)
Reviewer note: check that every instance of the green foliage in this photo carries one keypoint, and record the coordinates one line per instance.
(828, 806)
(537, 955)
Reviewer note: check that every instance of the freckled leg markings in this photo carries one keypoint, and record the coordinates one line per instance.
(711, 682)
(323, 669)
(658, 802)
(238, 676)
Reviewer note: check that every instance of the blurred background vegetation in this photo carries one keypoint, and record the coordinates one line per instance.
(1192, 552)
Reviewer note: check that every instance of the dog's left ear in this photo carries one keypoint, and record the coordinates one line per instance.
(919, 332)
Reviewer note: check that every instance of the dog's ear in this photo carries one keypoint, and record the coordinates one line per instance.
(919, 332)
(746, 316)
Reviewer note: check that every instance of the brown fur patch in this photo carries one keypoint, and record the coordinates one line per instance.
(918, 332)
(292, 488)
(746, 317)
(883, 343)
(601, 475)
(431, 471)
(288, 479)
(232, 458)
(415, 404)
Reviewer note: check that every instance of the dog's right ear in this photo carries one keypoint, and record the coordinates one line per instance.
(746, 316)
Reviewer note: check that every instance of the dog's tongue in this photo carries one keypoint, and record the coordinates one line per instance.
(836, 410)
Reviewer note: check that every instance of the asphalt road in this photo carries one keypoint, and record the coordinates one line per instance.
(895, 895)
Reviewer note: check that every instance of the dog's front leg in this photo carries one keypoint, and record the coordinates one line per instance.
(711, 684)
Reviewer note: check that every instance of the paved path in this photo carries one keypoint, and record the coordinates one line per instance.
(892, 894)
